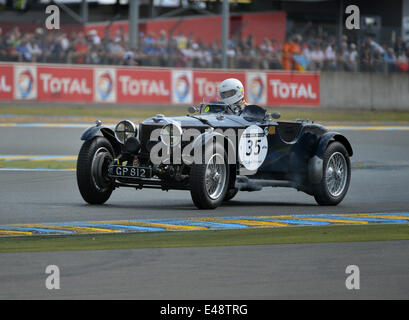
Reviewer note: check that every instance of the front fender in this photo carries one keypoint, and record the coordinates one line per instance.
(329, 137)
(106, 132)
(315, 164)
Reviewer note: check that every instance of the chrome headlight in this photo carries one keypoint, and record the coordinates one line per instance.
(124, 130)
(171, 134)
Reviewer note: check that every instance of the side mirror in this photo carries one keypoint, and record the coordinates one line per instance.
(276, 115)
(192, 109)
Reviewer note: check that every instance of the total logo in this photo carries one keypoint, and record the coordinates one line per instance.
(292, 90)
(58, 85)
(105, 85)
(256, 88)
(25, 82)
(144, 87)
(181, 86)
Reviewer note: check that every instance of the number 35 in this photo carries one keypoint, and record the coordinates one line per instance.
(256, 148)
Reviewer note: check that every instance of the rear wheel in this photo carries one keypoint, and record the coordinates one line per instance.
(209, 181)
(93, 181)
(336, 176)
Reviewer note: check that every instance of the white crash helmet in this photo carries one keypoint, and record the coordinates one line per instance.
(231, 91)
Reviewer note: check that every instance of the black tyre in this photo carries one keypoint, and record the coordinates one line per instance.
(230, 194)
(209, 181)
(336, 176)
(92, 170)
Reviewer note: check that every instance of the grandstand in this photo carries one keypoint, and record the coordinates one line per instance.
(289, 35)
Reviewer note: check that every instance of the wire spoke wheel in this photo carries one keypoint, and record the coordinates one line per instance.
(336, 176)
(215, 178)
(209, 181)
(99, 169)
(93, 181)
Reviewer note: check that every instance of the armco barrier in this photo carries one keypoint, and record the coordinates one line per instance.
(138, 85)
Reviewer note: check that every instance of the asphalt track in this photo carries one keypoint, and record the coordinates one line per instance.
(305, 271)
(280, 271)
(35, 197)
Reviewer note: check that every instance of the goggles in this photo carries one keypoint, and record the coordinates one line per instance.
(228, 94)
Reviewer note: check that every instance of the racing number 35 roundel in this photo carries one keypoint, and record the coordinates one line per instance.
(253, 147)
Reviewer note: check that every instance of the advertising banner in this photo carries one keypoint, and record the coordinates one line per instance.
(143, 86)
(6, 82)
(133, 85)
(65, 84)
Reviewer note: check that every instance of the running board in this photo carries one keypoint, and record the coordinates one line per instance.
(245, 184)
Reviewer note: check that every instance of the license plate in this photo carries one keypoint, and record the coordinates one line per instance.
(132, 172)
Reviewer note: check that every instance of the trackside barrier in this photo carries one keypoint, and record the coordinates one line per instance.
(139, 85)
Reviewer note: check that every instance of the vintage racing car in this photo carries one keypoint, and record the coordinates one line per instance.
(215, 151)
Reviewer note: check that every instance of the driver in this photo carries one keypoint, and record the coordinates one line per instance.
(231, 92)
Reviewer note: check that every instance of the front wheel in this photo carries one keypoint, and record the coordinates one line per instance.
(336, 176)
(209, 181)
(92, 170)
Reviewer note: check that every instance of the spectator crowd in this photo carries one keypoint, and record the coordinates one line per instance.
(184, 50)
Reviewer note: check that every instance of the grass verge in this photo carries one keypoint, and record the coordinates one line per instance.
(118, 113)
(256, 236)
(25, 164)
(90, 112)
